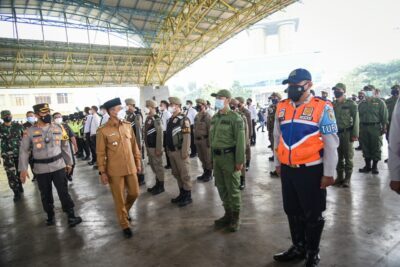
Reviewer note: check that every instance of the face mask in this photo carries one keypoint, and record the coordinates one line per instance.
(58, 120)
(161, 108)
(232, 107)
(172, 109)
(369, 93)
(46, 119)
(274, 101)
(7, 119)
(248, 103)
(121, 114)
(31, 120)
(219, 104)
(361, 97)
(338, 94)
(395, 92)
(198, 108)
(295, 92)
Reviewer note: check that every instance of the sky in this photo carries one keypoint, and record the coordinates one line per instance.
(348, 33)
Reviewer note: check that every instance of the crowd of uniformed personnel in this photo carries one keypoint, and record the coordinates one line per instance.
(114, 139)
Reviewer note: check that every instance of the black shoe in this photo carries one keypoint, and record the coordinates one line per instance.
(274, 174)
(141, 179)
(367, 167)
(224, 221)
(242, 183)
(86, 158)
(72, 219)
(186, 199)
(374, 168)
(50, 219)
(270, 146)
(158, 189)
(312, 259)
(69, 178)
(152, 188)
(17, 196)
(201, 177)
(208, 176)
(271, 158)
(167, 167)
(91, 163)
(386, 160)
(127, 232)
(21, 188)
(178, 198)
(293, 253)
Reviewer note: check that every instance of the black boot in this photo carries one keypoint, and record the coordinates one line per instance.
(20, 187)
(207, 176)
(141, 179)
(297, 250)
(313, 237)
(186, 199)
(159, 188)
(234, 224)
(201, 177)
(375, 167)
(179, 197)
(247, 165)
(72, 219)
(50, 219)
(127, 232)
(242, 183)
(150, 190)
(273, 174)
(224, 221)
(17, 195)
(271, 158)
(367, 167)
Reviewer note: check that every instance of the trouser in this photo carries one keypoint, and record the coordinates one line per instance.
(87, 144)
(371, 141)
(253, 136)
(180, 169)
(31, 164)
(93, 147)
(204, 152)
(165, 149)
(248, 152)
(227, 181)
(271, 138)
(345, 153)
(59, 179)
(262, 126)
(11, 167)
(193, 150)
(124, 201)
(81, 145)
(156, 163)
(303, 198)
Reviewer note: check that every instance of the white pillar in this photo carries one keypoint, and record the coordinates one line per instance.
(286, 32)
(156, 93)
(257, 36)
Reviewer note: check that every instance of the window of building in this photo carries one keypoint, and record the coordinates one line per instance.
(39, 99)
(19, 100)
(62, 98)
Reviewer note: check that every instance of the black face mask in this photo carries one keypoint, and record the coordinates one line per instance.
(361, 97)
(7, 119)
(197, 108)
(46, 119)
(395, 92)
(274, 101)
(354, 98)
(232, 107)
(338, 94)
(295, 92)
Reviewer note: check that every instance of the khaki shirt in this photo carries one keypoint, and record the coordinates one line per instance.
(373, 110)
(202, 125)
(247, 113)
(347, 117)
(117, 150)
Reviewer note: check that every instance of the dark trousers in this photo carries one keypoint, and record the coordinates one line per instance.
(93, 148)
(87, 144)
(253, 137)
(165, 149)
(59, 179)
(193, 148)
(81, 145)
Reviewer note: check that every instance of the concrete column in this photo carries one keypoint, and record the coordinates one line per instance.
(257, 36)
(286, 32)
(156, 93)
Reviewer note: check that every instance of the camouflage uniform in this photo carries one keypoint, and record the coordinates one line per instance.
(10, 138)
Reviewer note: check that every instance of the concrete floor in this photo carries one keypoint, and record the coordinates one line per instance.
(362, 229)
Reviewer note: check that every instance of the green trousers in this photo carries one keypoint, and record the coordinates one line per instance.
(227, 181)
(345, 154)
(371, 141)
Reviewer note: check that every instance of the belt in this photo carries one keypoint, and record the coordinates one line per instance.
(224, 151)
(345, 130)
(370, 123)
(202, 137)
(305, 164)
(49, 160)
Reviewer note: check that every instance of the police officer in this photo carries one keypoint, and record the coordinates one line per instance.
(119, 161)
(52, 161)
(202, 124)
(390, 103)
(346, 112)
(134, 116)
(394, 150)
(234, 107)
(361, 98)
(178, 145)
(373, 124)
(165, 115)
(247, 113)
(275, 98)
(153, 137)
(227, 146)
(305, 126)
(10, 139)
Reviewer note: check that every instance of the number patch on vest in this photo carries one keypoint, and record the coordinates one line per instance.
(307, 113)
(281, 115)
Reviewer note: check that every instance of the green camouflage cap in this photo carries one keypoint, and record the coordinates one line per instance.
(174, 100)
(240, 99)
(369, 87)
(201, 101)
(5, 113)
(130, 101)
(223, 93)
(340, 86)
(278, 95)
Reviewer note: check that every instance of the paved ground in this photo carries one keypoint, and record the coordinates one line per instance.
(362, 229)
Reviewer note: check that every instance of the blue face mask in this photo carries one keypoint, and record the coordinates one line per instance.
(31, 120)
(275, 101)
(369, 94)
(219, 104)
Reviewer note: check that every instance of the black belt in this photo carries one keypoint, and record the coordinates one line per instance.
(202, 137)
(345, 130)
(49, 160)
(223, 151)
(370, 123)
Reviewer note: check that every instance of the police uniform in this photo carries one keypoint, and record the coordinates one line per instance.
(373, 123)
(51, 155)
(202, 124)
(10, 139)
(305, 150)
(178, 145)
(117, 156)
(153, 137)
(246, 112)
(346, 113)
(228, 150)
(135, 118)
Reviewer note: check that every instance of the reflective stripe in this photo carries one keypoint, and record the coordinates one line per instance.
(304, 139)
(176, 130)
(151, 131)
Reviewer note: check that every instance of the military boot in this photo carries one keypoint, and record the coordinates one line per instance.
(201, 177)
(20, 187)
(186, 198)
(346, 182)
(375, 167)
(179, 197)
(72, 219)
(247, 165)
(339, 179)
(297, 250)
(313, 237)
(242, 183)
(141, 179)
(367, 167)
(50, 218)
(207, 176)
(312, 259)
(234, 224)
(154, 187)
(158, 189)
(17, 195)
(224, 221)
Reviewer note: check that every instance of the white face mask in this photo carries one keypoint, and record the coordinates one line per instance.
(219, 104)
(31, 119)
(161, 108)
(121, 114)
(172, 109)
(58, 120)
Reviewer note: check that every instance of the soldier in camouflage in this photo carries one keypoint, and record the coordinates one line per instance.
(10, 138)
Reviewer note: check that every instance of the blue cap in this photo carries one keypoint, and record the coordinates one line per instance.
(297, 76)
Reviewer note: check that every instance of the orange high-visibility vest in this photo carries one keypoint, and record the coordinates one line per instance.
(301, 140)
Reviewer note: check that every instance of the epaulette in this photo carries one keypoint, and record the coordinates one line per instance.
(180, 116)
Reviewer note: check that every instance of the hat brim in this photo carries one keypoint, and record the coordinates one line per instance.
(214, 95)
